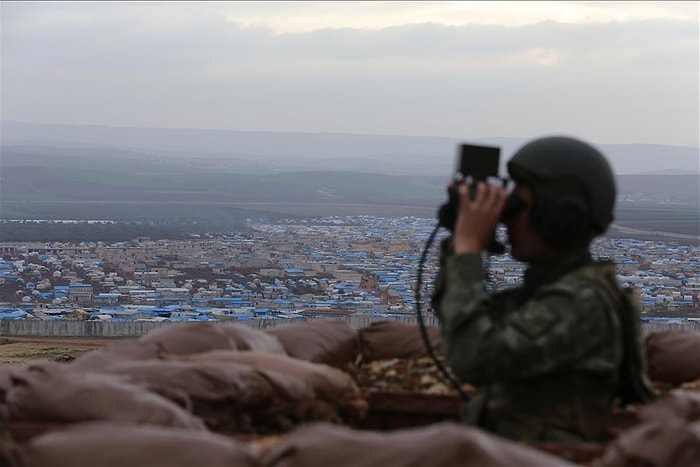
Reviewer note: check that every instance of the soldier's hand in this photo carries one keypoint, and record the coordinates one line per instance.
(477, 219)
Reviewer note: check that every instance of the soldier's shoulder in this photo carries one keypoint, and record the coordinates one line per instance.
(596, 272)
(583, 280)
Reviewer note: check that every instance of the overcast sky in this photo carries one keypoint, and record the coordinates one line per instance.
(609, 72)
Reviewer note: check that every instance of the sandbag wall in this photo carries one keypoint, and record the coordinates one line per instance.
(294, 395)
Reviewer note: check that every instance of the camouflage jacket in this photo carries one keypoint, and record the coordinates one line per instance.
(545, 356)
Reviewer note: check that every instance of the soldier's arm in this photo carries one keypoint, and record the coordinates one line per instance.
(553, 330)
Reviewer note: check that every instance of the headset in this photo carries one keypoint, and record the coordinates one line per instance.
(563, 220)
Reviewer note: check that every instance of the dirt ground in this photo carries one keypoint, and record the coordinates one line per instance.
(20, 350)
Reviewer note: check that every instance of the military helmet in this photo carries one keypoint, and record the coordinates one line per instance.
(574, 167)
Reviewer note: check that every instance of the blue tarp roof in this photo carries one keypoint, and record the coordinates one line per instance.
(239, 316)
(13, 315)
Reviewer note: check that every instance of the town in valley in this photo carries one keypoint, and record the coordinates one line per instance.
(334, 266)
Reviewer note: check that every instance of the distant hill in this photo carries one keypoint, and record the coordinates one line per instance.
(137, 181)
(40, 183)
(212, 176)
(42, 172)
(178, 149)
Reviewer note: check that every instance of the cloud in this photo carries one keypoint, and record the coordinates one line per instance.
(229, 65)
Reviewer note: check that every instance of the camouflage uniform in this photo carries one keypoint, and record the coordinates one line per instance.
(545, 356)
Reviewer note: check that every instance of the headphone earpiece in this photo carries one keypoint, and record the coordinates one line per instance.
(563, 221)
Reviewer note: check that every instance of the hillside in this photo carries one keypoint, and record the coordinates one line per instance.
(250, 151)
(188, 176)
(33, 177)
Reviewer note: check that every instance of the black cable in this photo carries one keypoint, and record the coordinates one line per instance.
(421, 324)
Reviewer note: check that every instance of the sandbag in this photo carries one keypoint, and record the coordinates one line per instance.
(669, 442)
(228, 397)
(105, 445)
(328, 383)
(676, 404)
(387, 339)
(668, 435)
(250, 392)
(129, 350)
(179, 339)
(51, 392)
(444, 444)
(326, 341)
(673, 356)
(194, 337)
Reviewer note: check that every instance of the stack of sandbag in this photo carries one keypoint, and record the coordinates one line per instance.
(671, 362)
(193, 337)
(316, 444)
(673, 357)
(52, 392)
(251, 391)
(225, 377)
(328, 341)
(445, 444)
(668, 435)
(180, 339)
(114, 445)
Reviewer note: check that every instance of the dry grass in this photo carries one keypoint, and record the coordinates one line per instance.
(21, 350)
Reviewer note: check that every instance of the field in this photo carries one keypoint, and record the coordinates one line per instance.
(678, 219)
(20, 350)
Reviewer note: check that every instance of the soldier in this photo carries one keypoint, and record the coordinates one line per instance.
(552, 356)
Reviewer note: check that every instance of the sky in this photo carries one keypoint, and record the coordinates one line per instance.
(608, 72)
